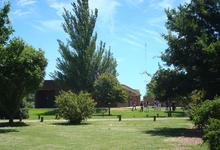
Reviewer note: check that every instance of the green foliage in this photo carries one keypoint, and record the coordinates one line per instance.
(107, 89)
(5, 27)
(168, 85)
(203, 112)
(21, 113)
(197, 97)
(194, 43)
(75, 108)
(212, 134)
(22, 68)
(81, 61)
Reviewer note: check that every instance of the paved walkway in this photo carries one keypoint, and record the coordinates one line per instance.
(107, 119)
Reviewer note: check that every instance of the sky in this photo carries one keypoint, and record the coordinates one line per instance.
(131, 28)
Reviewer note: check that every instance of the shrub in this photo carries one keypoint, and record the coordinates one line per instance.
(75, 107)
(208, 109)
(212, 134)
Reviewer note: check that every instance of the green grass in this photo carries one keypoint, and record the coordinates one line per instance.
(125, 112)
(47, 113)
(99, 135)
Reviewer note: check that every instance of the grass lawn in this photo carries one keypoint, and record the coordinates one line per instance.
(167, 134)
(125, 112)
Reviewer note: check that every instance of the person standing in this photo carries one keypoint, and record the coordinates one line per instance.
(142, 106)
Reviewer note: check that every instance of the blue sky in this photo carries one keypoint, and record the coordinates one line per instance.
(132, 28)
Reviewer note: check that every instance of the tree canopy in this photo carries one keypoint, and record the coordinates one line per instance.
(5, 27)
(22, 68)
(81, 60)
(168, 85)
(194, 45)
(107, 89)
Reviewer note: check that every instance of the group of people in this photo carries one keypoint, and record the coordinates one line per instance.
(156, 105)
(134, 106)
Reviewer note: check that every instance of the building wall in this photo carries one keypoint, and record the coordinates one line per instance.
(45, 96)
(45, 99)
(130, 101)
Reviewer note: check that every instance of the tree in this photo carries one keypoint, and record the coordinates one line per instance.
(80, 61)
(194, 44)
(21, 68)
(107, 90)
(75, 107)
(5, 27)
(169, 86)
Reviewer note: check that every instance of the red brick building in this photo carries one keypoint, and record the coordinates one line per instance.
(45, 96)
(134, 97)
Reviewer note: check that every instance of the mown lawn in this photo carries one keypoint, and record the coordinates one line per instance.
(167, 134)
(103, 113)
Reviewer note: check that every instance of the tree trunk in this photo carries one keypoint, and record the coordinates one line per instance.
(11, 121)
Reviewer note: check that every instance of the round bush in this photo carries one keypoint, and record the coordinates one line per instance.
(75, 107)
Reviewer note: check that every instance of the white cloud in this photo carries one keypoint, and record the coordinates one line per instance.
(120, 59)
(133, 37)
(164, 4)
(26, 2)
(106, 12)
(157, 20)
(55, 25)
(19, 12)
(132, 42)
(155, 35)
(151, 32)
(60, 5)
(134, 2)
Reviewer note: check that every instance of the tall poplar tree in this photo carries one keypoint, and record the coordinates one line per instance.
(81, 60)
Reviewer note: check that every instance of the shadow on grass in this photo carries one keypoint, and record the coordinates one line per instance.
(15, 124)
(7, 130)
(71, 124)
(175, 132)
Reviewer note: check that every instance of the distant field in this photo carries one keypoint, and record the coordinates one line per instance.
(167, 134)
(103, 113)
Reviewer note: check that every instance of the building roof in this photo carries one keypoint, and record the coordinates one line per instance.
(136, 92)
(49, 85)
